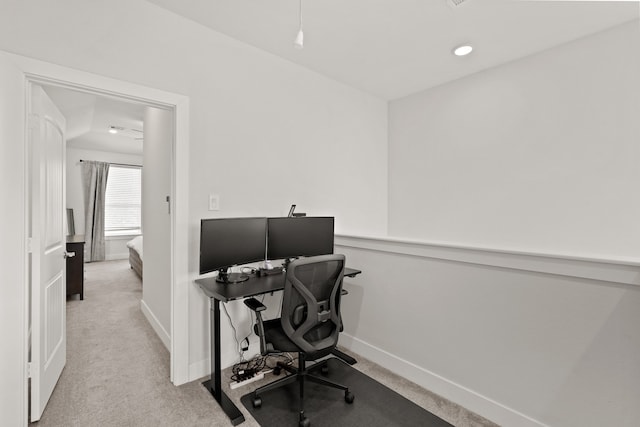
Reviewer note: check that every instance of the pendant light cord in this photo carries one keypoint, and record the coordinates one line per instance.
(299, 41)
(300, 13)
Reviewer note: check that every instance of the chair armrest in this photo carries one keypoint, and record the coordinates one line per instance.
(258, 307)
(255, 305)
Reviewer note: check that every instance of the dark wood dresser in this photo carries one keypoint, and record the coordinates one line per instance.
(75, 265)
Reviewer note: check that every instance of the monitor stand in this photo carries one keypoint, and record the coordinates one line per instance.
(225, 277)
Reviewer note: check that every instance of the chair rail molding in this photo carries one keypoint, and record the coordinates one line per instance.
(621, 271)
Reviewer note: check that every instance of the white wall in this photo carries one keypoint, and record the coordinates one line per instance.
(115, 247)
(156, 220)
(523, 340)
(540, 154)
(264, 132)
(13, 298)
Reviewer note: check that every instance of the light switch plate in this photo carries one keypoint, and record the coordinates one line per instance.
(214, 202)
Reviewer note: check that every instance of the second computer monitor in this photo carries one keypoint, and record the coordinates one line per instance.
(299, 236)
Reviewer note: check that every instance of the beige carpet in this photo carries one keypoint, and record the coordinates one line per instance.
(117, 371)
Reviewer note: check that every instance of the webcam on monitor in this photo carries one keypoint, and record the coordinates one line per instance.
(296, 214)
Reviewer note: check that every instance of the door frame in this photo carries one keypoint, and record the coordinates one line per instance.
(44, 73)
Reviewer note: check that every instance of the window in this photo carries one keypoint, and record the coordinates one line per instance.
(123, 201)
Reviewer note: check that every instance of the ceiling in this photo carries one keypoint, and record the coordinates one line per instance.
(388, 48)
(90, 116)
(393, 48)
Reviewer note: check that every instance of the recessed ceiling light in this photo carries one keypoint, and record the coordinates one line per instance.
(115, 129)
(462, 50)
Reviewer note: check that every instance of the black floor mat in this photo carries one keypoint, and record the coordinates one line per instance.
(374, 405)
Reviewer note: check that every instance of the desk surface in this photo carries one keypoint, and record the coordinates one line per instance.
(256, 285)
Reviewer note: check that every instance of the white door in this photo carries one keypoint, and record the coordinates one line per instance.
(48, 276)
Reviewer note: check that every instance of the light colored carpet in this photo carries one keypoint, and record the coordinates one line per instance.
(117, 371)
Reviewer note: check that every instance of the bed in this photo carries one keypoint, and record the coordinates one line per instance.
(135, 254)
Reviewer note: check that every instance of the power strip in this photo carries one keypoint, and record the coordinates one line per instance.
(254, 378)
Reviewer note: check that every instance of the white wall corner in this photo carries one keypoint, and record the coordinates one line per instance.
(155, 324)
(199, 370)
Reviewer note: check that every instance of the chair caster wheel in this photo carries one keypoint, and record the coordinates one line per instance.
(304, 422)
(277, 370)
(324, 370)
(257, 402)
(349, 397)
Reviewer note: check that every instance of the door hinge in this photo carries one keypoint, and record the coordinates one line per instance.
(29, 370)
(169, 204)
(29, 245)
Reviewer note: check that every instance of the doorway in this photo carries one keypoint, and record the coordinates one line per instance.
(176, 107)
(110, 131)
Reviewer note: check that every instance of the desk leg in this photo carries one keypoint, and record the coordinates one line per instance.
(214, 385)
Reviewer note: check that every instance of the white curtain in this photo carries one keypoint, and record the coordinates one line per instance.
(94, 184)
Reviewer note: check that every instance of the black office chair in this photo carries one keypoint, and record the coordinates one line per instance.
(309, 324)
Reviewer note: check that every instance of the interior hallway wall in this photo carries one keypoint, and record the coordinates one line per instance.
(156, 220)
(523, 340)
(264, 133)
(13, 297)
(539, 155)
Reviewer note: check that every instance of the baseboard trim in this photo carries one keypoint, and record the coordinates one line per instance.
(435, 383)
(156, 325)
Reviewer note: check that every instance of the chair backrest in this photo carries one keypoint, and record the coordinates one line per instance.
(311, 303)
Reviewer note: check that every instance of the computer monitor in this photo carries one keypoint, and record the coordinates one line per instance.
(293, 237)
(225, 242)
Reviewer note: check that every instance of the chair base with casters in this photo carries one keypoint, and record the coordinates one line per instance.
(300, 375)
(309, 325)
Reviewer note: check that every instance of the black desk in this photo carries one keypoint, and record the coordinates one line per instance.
(256, 285)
